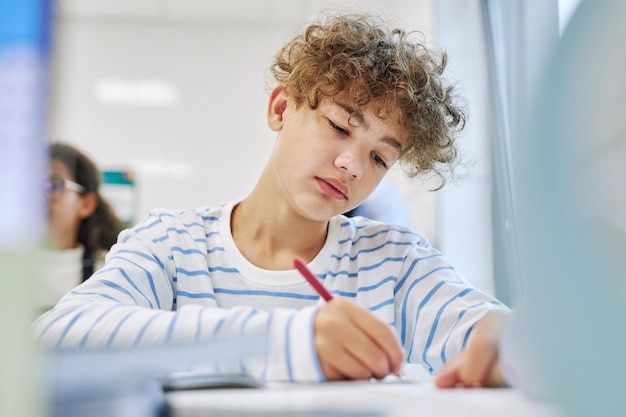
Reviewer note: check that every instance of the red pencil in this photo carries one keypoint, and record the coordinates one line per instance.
(319, 288)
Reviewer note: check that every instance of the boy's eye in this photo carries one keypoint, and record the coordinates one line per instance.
(337, 128)
(379, 161)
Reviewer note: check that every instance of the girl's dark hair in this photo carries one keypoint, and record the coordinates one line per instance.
(98, 231)
(372, 62)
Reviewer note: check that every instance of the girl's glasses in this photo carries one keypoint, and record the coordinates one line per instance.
(56, 185)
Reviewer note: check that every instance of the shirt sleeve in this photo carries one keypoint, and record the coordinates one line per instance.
(436, 309)
(131, 302)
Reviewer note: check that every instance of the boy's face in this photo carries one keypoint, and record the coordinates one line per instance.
(328, 160)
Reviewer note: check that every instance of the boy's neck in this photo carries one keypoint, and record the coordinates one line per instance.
(270, 237)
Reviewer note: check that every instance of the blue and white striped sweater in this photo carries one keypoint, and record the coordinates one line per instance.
(178, 276)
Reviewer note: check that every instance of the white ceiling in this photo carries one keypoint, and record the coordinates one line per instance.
(223, 10)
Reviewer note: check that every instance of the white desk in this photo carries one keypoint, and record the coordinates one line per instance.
(418, 398)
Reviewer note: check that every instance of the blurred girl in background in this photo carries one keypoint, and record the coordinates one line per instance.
(82, 225)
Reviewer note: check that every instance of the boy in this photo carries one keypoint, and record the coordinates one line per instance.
(352, 98)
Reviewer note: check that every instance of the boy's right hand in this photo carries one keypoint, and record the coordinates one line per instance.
(352, 343)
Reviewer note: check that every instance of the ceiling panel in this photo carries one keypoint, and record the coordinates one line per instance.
(224, 10)
(235, 10)
(117, 9)
(219, 10)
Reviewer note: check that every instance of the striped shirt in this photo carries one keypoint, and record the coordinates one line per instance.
(179, 277)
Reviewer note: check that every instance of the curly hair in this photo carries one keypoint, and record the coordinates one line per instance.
(363, 57)
(98, 231)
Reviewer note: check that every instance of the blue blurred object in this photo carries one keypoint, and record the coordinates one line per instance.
(572, 203)
(385, 204)
(25, 34)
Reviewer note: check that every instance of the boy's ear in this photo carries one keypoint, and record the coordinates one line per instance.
(88, 205)
(276, 108)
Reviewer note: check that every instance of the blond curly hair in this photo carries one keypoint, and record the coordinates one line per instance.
(365, 58)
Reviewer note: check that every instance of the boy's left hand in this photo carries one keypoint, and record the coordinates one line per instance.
(477, 365)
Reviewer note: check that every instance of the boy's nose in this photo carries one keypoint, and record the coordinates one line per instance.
(351, 160)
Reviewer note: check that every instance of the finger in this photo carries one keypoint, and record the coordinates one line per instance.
(334, 333)
(342, 325)
(495, 377)
(369, 353)
(339, 363)
(381, 336)
(481, 353)
(351, 341)
(479, 357)
(344, 365)
(449, 375)
(331, 374)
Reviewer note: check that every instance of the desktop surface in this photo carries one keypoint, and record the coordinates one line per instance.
(393, 398)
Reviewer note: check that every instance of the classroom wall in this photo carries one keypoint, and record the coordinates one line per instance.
(208, 144)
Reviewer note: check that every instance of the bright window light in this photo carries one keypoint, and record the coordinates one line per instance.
(566, 10)
(149, 93)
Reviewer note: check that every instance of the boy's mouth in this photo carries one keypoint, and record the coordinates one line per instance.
(333, 188)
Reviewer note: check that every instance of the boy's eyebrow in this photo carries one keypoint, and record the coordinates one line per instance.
(353, 113)
(391, 141)
(394, 143)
